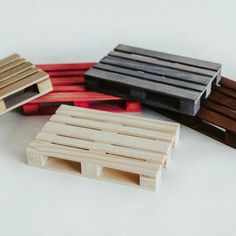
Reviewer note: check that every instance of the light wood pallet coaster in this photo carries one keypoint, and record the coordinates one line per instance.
(154, 78)
(68, 88)
(217, 115)
(20, 82)
(107, 146)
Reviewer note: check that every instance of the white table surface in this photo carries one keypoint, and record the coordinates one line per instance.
(198, 190)
(196, 196)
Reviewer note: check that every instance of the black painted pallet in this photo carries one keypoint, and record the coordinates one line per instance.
(158, 79)
(217, 115)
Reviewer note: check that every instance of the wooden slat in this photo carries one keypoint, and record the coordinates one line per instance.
(217, 119)
(16, 70)
(168, 57)
(12, 65)
(17, 77)
(151, 77)
(66, 67)
(223, 100)
(226, 91)
(9, 59)
(156, 70)
(220, 109)
(117, 128)
(136, 82)
(66, 73)
(106, 137)
(158, 125)
(163, 63)
(100, 147)
(73, 80)
(228, 83)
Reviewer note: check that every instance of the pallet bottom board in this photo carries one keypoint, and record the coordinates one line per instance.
(98, 173)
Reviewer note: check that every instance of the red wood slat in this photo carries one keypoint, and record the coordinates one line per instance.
(70, 66)
(70, 80)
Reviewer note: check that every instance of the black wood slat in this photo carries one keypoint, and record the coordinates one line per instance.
(140, 83)
(157, 70)
(163, 63)
(151, 77)
(169, 57)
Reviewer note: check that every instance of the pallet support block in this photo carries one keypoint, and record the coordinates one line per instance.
(104, 146)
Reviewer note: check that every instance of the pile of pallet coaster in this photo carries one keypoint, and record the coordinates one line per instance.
(85, 134)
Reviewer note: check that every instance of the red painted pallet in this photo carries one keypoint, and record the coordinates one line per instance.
(68, 88)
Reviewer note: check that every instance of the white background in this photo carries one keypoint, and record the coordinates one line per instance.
(198, 190)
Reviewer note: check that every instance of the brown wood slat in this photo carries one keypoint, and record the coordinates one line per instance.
(228, 83)
(226, 91)
(217, 119)
(223, 100)
(220, 109)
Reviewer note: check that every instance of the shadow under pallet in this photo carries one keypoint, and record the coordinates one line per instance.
(158, 79)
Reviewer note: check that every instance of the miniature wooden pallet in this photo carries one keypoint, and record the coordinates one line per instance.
(157, 79)
(20, 82)
(217, 115)
(102, 145)
(68, 88)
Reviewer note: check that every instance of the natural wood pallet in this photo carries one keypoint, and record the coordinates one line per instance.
(217, 115)
(20, 82)
(102, 145)
(68, 88)
(157, 79)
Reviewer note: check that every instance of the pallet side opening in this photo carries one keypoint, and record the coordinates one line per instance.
(163, 101)
(120, 176)
(20, 96)
(63, 165)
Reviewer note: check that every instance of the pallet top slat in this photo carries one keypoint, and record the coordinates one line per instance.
(106, 137)
(151, 77)
(12, 65)
(150, 85)
(168, 57)
(172, 65)
(100, 147)
(65, 67)
(156, 70)
(9, 59)
(17, 77)
(131, 121)
(16, 70)
(117, 128)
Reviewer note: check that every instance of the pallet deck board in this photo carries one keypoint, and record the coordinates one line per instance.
(153, 78)
(68, 88)
(104, 145)
(20, 82)
(217, 115)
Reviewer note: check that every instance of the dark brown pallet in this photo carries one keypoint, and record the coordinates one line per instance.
(158, 79)
(217, 115)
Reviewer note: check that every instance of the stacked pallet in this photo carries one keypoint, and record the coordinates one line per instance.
(68, 88)
(103, 145)
(20, 82)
